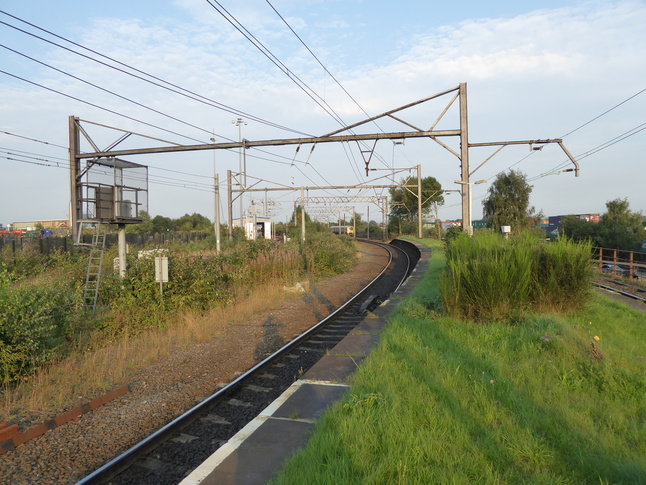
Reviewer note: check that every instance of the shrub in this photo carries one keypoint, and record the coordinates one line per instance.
(492, 278)
(34, 322)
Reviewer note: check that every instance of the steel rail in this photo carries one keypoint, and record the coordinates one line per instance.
(130, 456)
(623, 293)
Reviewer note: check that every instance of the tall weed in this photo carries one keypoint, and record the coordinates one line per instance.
(492, 278)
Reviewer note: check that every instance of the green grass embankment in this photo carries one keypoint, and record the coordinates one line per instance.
(447, 401)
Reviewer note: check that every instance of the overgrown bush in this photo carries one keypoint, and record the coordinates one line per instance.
(41, 299)
(327, 254)
(34, 322)
(492, 278)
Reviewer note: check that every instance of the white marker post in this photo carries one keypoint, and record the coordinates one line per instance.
(161, 272)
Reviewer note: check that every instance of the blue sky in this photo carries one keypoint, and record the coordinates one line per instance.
(533, 69)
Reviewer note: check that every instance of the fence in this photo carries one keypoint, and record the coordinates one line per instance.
(46, 245)
(631, 264)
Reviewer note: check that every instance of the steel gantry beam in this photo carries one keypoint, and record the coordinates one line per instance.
(459, 92)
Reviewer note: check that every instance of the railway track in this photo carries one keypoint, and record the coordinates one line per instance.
(172, 452)
(633, 291)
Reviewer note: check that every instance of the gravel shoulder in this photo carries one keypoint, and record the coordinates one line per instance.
(162, 391)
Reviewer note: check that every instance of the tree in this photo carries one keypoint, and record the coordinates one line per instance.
(579, 229)
(193, 222)
(162, 224)
(403, 202)
(144, 227)
(508, 202)
(621, 228)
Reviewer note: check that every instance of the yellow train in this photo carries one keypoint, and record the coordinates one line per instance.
(349, 230)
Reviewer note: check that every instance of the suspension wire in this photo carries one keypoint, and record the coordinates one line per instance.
(274, 60)
(321, 64)
(604, 113)
(598, 148)
(283, 68)
(107, 90)
(336, 81)
(194, 96)
(98, 107)
(562, 164)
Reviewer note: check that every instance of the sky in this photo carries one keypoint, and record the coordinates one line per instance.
(574, 70)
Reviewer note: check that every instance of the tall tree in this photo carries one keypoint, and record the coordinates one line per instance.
(621, 228)
(579, 229)
(193, 222)
(403, 203)
(403, 200)
(508, 202)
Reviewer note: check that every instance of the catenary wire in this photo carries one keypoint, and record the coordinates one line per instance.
(97, 106)
(283, 68)
(321, 64)
(569, 133)
(193, 95)
(208, 131)
(141, 105)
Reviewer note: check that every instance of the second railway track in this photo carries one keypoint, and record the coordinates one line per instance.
(168, 455)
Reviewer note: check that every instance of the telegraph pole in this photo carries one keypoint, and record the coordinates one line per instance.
(216, 202)
(464, 159)
(75, 163)
(239, 122)
(419, 201)
(302, 214)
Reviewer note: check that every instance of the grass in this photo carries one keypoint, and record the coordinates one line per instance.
(448, 401)
(87, 372)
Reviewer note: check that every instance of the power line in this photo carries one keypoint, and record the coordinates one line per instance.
(577, 129)
(274, 59)
(604, 113)
(337, 82)
(106, 90)
(320, 63)
(598, 148)
(97, 106)
(194, 96)
(33, 139)
(50, 163)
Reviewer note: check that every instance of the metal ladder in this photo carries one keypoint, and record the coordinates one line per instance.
(94, 264)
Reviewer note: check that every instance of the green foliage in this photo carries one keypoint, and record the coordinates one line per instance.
(196, 282)
(404, 203)
(34, 322)
(441, 401)
(327, 254)
(489, 277)
(619, 228)
(452, 233)
(508, 202)
(41, 299)
(160, 224)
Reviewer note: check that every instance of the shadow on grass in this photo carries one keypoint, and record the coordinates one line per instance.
(584, 460)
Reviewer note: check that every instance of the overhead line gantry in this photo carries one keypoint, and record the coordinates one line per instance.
(75, 155)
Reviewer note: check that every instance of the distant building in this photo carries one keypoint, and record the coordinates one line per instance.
(30, 226)
(555, 221)
(257, 227)
(447, 224)
(479, 224)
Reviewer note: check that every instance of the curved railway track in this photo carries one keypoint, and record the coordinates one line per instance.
(172, 452)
